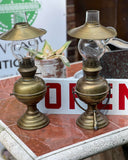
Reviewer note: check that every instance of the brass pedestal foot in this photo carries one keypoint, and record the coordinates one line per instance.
(92, 120)
(33, 119)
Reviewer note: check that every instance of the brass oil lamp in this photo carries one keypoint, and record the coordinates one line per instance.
(92, 88)
(29, 89)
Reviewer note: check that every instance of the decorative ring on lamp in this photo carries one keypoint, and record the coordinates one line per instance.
(27, 95)
(91, 94)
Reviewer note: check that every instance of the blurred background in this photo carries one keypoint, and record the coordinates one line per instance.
(112, 13)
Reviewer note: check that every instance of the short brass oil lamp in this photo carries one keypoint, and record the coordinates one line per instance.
(29, 89)
(92, 88)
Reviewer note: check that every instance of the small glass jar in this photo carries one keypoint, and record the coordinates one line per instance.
(51, 68)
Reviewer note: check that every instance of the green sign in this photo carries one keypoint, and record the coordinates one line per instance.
(9, 7)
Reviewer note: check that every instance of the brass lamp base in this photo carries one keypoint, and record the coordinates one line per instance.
(92, 119)
(33, 119)
(30, 90)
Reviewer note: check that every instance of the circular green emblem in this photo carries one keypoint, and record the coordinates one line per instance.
(9, 7)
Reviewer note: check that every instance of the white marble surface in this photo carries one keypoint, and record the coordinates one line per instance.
(76, 151)
(89, 147)
(14, 145)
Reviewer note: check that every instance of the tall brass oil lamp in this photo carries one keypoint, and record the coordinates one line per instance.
(92, 88)
(29, 89)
